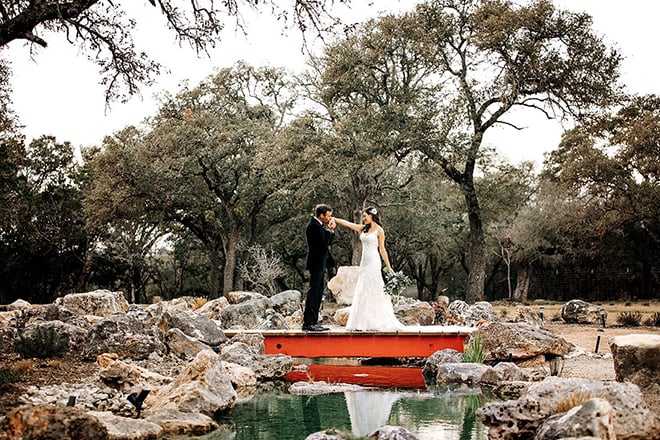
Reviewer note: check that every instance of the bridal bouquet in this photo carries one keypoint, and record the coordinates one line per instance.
(395, 283)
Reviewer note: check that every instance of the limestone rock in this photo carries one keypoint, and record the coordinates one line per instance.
(213, 308)
(184, 346)
(592, 418)
(342, 284)
(195, 325)
(417, 313)
(125, 428)
(126, 335)
(175, 422)
(518, 341)
(126, 377)
(203, 387)
(461, 313)
(391, 433)
(466, 373)
(504, 372)
(577, 311)
(521, 418)
(98, 303)
(51, 422)
(636, 358)
(430, 369)
(239, 297)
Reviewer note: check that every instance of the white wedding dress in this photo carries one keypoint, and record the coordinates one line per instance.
(372, 307)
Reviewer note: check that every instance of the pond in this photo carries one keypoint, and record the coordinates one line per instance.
(429, 413)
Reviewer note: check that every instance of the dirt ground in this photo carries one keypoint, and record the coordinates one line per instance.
(72, 369)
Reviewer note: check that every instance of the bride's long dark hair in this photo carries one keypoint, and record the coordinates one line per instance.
(375, 216)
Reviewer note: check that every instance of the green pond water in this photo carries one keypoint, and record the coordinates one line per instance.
(431, 413)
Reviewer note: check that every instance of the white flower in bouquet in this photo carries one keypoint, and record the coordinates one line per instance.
(395, 283)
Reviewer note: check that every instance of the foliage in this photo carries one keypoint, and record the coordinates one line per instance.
(529, 56)
(43, 240)
(629, 319)
(105, 30)
(211, 163)
(261, 269)
(473, 351)
(7, 377)
(395, 284)
(43, 344)
(653, 320)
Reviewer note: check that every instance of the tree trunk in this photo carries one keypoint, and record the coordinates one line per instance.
(355, 238)
(214, 274)
(230, 262)
(522, 283)
(476, 262)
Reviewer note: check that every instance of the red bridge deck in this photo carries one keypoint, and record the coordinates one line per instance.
(421, 342)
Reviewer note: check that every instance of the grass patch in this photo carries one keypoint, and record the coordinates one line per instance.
(473, 351)
(629, 319)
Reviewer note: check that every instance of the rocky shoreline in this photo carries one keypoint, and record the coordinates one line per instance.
(177, 350)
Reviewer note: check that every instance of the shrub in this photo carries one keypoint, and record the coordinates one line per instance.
(653, 320)
(473, 351)
(197, 302)
(7, 377)
(630, 319)
(44, 344)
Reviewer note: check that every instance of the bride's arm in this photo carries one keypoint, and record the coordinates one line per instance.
(383, 251)
(353, 226)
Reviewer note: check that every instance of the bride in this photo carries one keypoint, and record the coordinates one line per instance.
(371, 308)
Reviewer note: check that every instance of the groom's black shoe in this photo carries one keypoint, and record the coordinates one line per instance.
(314, 328)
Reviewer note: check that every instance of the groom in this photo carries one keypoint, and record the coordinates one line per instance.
(319, 234)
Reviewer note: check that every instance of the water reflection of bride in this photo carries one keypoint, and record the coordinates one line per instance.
(369, 410)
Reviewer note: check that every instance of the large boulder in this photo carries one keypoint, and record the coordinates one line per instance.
(342, 284)
(195, 325)
(245, 314)
(461, 313)
(521, 418)
(591, 419)
(76, 336)
(182, 345)
(577, 311)
(520, 342)
(264, 366)
(285, 303)
(126, 335)
(127, 377)
(97, 303)
(203, 386)
(51, 422)
(417, 313)
(448, 355)
(636, 359)
(460, 373)
(175, 422)
(127, 428)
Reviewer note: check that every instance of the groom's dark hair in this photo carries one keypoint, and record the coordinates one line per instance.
(321, 209)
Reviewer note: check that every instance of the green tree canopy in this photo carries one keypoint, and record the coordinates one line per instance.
(476, 60)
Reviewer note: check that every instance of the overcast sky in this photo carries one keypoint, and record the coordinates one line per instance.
(58, 91)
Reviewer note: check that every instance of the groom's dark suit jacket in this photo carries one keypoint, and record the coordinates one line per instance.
(318, 242)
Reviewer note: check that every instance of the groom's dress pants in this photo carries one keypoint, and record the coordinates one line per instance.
(314, 297)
